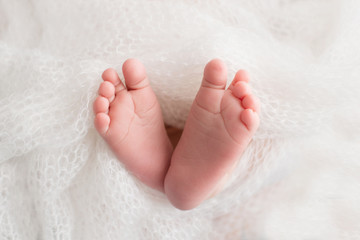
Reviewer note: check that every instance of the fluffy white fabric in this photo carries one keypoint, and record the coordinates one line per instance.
(298, 179)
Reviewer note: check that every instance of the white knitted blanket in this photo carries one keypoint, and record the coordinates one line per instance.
(298, 179)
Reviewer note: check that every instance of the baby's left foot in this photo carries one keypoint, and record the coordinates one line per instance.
(129, 118)
(220, 125)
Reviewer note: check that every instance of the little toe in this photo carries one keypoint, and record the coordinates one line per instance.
(251, 102)
(241, 89)
(101, 105)
(135, 74)
(215, 74)
(107, 90)
(250, 119)
(102, 122)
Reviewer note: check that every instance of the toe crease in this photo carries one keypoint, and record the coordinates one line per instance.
(232, 137)
(200, 106)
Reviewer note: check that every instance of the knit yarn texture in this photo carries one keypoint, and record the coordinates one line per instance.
(298, 179)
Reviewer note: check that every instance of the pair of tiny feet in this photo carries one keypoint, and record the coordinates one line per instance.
(219, 127)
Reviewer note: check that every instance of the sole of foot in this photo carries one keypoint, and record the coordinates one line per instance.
(219, 127)
(128, 117)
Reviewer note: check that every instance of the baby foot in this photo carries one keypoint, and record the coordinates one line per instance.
(129, 119)
(220, 125)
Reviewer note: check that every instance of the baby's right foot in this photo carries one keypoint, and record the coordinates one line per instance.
(130, 120)
(220, 125)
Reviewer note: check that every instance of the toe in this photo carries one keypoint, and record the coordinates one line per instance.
(107, 90)
(251, 102)
(242, 76)
(250, 119)
(111, 75)
(102, 122)
(215, 74)
(212, 87)
(101, 105)
(241, 89)
(135, 74)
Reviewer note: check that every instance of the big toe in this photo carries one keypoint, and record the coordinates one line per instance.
(134, 74)
(212, 87)
(215, 74)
